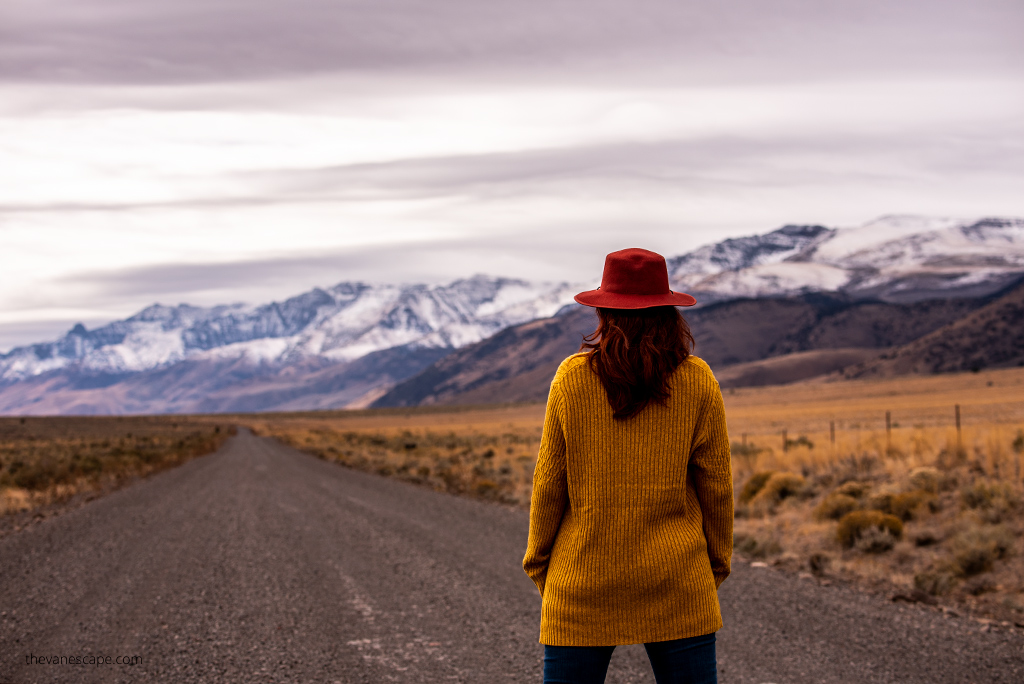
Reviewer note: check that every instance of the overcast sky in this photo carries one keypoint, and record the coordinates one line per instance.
(212, 151)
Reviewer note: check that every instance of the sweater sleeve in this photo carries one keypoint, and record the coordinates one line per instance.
(711, 468)
(550, 492)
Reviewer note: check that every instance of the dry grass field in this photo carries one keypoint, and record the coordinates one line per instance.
(930, 512)
(488, 452)
(920, 510)
(49, 461)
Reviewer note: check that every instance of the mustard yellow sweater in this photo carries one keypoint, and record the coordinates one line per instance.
(631, 520)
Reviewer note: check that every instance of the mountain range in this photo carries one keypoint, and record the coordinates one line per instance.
(834, 295)
(749, 342)
(894, 259)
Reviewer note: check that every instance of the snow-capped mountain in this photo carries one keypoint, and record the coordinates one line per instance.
(895, 258)
(341, 323)
(347, 344)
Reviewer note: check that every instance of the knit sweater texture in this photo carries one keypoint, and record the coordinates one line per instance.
(630, 520)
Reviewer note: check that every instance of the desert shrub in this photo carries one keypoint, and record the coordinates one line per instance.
(835, 506)
(976, 586)
(906, 505)
(798, 442)
(819, 563)
(900, 505)
(857, 465)
(935, 582)
(983, 494)
(1018, 442)
(926, 537)
(853, 526)
(755, 546)
(754, 485)
(746, 454)
(43, 472)
(486, 489)
(925, 479)
(952, 457)
(875, 540)
(782, 485)
(949, 482)
(823, 480)
(880, 502)
(853, 488)
(778, 487)
(744, 450)
(975, 550)
(991, 500)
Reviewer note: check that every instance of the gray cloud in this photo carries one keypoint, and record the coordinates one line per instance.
(712, 161)
(29, 332)
(719, 162)
(197, 41)
(409, 262)
(849, 167)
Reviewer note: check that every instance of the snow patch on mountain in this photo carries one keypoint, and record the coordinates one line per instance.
(900, 243)
(773, 279)
(736, 254)
(891, 257)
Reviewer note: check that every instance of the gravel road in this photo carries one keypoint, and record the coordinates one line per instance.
(261, 564)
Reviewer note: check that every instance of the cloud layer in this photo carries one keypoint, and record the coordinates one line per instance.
(227, 150)
(192, 41)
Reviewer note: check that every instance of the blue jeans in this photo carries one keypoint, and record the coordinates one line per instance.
(681, 661)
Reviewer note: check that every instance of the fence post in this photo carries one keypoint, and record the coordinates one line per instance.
(888, 432)
(832, 434)
(785, 442)
(959, 441)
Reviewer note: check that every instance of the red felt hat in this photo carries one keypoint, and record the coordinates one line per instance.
(634, 279)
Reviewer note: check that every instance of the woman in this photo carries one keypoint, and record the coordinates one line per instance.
(631, 516)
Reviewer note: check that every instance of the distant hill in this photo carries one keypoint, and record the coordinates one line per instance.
(801, 337)
(782, 370)
(991, 337)
(517, 364)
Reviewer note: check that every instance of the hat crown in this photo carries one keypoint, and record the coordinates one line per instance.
(635, 271)
(634, 279)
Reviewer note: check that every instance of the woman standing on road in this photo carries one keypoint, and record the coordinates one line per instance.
(631, 516)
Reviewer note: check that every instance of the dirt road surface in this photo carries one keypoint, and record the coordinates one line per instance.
(262, 564)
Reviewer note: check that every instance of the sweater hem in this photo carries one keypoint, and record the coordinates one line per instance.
(630, 640)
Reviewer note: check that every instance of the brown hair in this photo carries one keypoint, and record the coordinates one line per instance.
(634, 352)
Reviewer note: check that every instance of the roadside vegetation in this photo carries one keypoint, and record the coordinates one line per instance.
(935, 519)
(52, 460)
(906, 503)
(483, 453)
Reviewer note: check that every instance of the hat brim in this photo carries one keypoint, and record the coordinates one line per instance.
(612, 300)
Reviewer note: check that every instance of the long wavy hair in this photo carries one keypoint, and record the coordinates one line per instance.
(634, 352)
